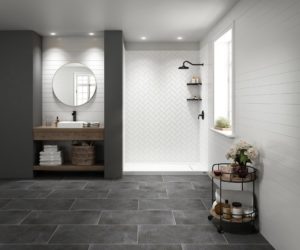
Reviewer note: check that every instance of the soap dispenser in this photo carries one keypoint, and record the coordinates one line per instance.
(57, 121)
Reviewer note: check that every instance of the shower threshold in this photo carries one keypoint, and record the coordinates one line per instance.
(164, 168)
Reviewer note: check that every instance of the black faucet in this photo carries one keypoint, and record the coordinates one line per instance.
(74, 114)
(201, 115)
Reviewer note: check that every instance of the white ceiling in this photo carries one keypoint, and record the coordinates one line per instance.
(158, 20)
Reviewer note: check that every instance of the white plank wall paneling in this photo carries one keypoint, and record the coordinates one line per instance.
(58, 51)
(267, 107)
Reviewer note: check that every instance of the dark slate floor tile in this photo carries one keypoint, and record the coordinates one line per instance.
(21, 193)
(137, 217)
(245, 238)
(171, 204)
(191, 217)
(12, 217)
(152, 186)
(44, 247)
(39, 204)
(3, 202)
(185, 178)
(95, 234)
(135, 194)
(62, 217)
(105, 204)
(188, 194)
(15, 185)
(179, 234)
(26, 233)
(98, 185)
(87, 194)
(143, 178)
(136, 247)
(179, 186)
(60, 184)
(202, 184)
(227, 247)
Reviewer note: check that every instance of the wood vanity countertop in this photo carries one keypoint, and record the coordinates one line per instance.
(43, 133)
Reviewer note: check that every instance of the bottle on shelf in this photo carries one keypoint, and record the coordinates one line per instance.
(226, 210)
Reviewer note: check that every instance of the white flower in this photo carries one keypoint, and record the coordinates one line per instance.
(251, 153)
(242, 147)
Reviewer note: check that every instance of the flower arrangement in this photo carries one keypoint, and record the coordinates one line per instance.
(242, 153)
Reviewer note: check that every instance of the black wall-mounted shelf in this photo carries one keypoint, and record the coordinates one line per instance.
(194, 99)
(194, 83)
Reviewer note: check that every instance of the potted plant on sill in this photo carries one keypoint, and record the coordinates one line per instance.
(242, 153)
(222, 123)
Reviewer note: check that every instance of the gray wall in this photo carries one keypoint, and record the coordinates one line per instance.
(20, 100)
(113, 105)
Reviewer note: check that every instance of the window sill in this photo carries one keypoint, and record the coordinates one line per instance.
(227, 134)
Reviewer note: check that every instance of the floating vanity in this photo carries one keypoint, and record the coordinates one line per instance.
(42, 133)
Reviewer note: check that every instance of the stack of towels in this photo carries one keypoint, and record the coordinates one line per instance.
(50, 156)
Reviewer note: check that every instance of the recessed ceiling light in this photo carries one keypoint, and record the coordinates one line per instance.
(91, 33)
(53, 34)
(179, 38)
(143, 38)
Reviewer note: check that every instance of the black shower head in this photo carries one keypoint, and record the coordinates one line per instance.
(186, 67)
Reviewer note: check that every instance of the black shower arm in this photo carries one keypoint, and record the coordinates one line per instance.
(194, 64)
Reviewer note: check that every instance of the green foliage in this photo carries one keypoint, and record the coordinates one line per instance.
(222, 122)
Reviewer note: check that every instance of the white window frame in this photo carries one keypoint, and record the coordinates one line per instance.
(231, 133)
(76, 74)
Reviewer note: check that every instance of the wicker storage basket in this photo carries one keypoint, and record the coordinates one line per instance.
(83, 155)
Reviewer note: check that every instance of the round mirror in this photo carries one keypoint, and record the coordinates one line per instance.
(74, 84)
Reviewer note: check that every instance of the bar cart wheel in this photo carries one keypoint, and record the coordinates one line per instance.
(220, 229)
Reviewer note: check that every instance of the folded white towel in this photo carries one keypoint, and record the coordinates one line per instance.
(57, 153)
(50, 158)
(50, 163)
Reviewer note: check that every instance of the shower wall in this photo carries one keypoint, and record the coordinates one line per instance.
(161, 126)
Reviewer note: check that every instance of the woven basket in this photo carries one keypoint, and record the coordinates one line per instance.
(83, 155)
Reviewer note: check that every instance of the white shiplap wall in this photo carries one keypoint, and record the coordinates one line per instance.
(58, 51)
(267, 107)
(160, 125)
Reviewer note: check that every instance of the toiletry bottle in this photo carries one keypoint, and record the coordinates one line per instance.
(57, 121)
(226, 210)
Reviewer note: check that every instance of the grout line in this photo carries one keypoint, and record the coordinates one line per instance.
(26, 216)
(53, 234)
(99, 218)
(172, 211)
(70, 208)
(84, 186)
(137, 234)
(225, 238)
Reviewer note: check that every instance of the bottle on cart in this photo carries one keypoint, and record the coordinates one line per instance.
(226, 210)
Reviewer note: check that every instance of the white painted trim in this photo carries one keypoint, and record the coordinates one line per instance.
(231, 26)
(228, 134)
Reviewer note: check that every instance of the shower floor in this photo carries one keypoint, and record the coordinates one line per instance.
(187, 168)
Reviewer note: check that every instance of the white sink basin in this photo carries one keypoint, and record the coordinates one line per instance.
(70, 124)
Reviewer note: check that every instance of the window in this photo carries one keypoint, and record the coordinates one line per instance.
(223, 82)
(85, 85)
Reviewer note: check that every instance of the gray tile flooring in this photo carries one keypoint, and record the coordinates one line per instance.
(157, 212)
